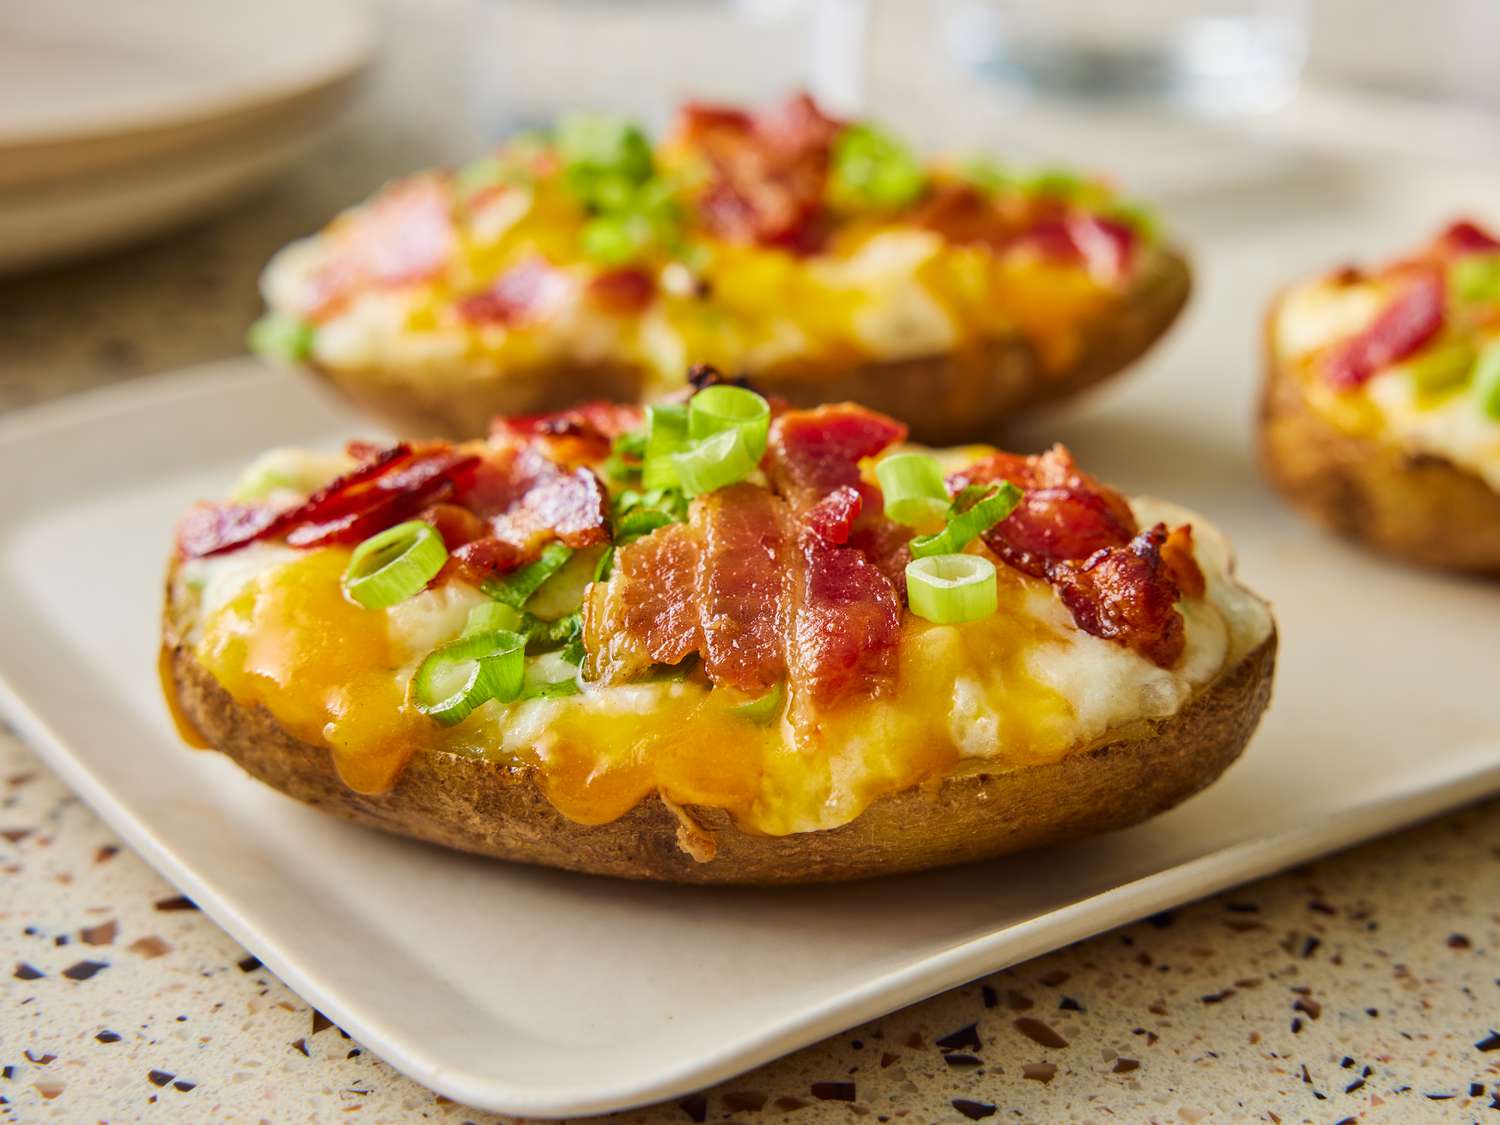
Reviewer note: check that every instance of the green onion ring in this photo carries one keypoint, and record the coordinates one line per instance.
(723, 407)
(666, 434)
(964, 527)
(715, 462)
(465, 673)
(515, 589)
(394, 565)
(951, 589)
(913, 489)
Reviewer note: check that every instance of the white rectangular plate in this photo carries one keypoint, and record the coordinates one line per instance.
(538, 992)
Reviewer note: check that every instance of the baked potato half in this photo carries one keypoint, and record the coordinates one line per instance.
(1380, 412)
(769, 681)
(818, 257)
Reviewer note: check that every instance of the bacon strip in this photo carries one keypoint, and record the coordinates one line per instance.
(1403, 327)
(528, 500)
(405, 234)
(647, 613)
(769, 171)
(391, 486)
(580, 433)
(846, 622)
(741, 585)
(525, 293)
(845, 610)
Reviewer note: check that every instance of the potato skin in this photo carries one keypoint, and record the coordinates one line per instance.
(1411, 505)
(945, 399)
(492, 809)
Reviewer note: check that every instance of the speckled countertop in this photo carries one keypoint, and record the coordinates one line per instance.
(1365, 987)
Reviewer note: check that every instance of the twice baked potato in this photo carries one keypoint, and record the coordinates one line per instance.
(1380, 416)
(816, 256)
(698, 646)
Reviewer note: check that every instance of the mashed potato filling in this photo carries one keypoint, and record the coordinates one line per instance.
(1022, 687)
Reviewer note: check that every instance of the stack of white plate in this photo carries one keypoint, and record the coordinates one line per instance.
(118, 121)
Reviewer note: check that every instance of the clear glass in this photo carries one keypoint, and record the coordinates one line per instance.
(531, 59)
(1200, 57)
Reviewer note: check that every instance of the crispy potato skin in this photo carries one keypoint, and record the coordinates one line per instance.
(1403, 503)
(945, 399)
(481, 806)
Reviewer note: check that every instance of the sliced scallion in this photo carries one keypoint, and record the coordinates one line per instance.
(1441, 368)
(723, 407)
(1476, 277)
(516, 589)
(465, 673)
(490, 617)
(666, 434)
(281, 336)
(715, 462)
(1487, 381)
(913, 488)
(763, 710)
(966, 525)
(394, 565)
(951, 589)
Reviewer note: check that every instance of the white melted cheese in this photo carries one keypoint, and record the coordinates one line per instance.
(898, 316)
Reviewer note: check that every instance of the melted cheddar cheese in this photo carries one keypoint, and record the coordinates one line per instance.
(1021, 687)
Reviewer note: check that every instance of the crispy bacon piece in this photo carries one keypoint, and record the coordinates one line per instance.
(813, 452)
(405, 234)
(1177, 555)
(211, 529)
(647, 613)
(846, 615)
(1413, 318)
(581, 433)
(528, 499)
(768, 170)
(742, 575)
(389, 487)
(525, 293)
(398, 493)
(1106, 247)
(1466, 237)
(1127, 595)
(1064, 512)
(1081, 536)
(622, 291)
(965, 216)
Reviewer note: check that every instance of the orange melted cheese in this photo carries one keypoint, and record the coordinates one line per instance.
(328, 671)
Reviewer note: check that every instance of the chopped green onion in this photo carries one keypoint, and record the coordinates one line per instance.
(551, 689)
(1476, 277)
(1137, 216)
(390, 567)
(574, 652)
(951, 589)
(666, 434)
(542, 636)
(603, 158)
(1487, 381)
(913, 488)
(763, 710)
(964, 526)
(281, 336)
(722, 407)
(465, 673)
(870, 168)
(516, 589)
(1441, 368)
(642, 521)
(491, 617)
(606, 564)
(715, 462)
(617, 238)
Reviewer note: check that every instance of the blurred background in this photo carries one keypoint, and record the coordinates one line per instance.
(152, 157)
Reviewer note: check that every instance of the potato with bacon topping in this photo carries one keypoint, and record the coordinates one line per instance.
(1381, 412)
(716, 639)
(818, 256)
